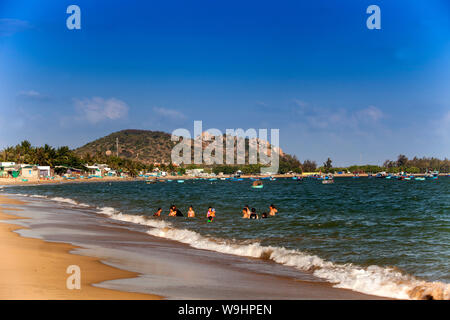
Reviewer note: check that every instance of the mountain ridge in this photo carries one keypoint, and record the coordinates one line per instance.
(146, 146)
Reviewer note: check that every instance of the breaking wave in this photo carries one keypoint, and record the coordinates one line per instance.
(375, 280)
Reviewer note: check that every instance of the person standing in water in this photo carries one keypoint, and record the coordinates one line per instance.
(178, 212)
(211, 214)
(253, 214)
(245, 213)
(175, 212)
(247, 208)
(158, 213)
(191, 213)
(273, 210)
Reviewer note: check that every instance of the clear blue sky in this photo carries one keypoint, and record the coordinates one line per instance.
(310, 68)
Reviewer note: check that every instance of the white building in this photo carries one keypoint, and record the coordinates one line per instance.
(45, 171)
(7, 164)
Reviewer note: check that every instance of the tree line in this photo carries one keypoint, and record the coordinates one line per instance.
(65, 157)
(414, 165)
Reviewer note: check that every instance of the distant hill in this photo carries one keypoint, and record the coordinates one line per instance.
(144, 146)
(138, 145)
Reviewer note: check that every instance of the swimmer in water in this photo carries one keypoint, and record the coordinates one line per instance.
(245, 213)
(211, 214)
(273, 210)
(248, 210)
(158, 213)
(264, 215)
(253, 214)
(178, 213)
(175, 212)
(191, 212)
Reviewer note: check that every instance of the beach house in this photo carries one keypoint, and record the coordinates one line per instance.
(29, 171)
(94, 170)
(195, 172)
(9, 170)
(99, 170)
(45, 171)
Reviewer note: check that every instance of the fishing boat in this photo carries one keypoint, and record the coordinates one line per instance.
(257, 184)
(381, 175)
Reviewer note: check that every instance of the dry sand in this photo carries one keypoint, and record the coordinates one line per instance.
(36, 269)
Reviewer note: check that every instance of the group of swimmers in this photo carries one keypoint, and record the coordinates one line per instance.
(248, 213)
(175, 212)
(211, 213)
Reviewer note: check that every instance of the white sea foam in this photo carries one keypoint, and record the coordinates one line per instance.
(374, 280)
(57, 199)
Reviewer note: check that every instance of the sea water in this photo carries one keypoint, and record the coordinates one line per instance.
(383, 237)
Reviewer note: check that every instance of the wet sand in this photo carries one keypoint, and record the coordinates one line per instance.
(155, 265)
(36, 269)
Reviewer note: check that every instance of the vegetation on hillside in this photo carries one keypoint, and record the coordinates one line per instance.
(135, 142)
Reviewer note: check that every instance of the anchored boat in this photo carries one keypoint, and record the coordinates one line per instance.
(257, 184)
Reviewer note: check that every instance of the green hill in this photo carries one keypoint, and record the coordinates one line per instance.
(137, 145)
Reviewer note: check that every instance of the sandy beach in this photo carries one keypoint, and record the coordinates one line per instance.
(36, 269)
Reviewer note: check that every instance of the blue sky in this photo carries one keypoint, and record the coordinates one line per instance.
(309, 68)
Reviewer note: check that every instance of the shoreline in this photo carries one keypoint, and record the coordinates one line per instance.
(36, 269)
(174, 270)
